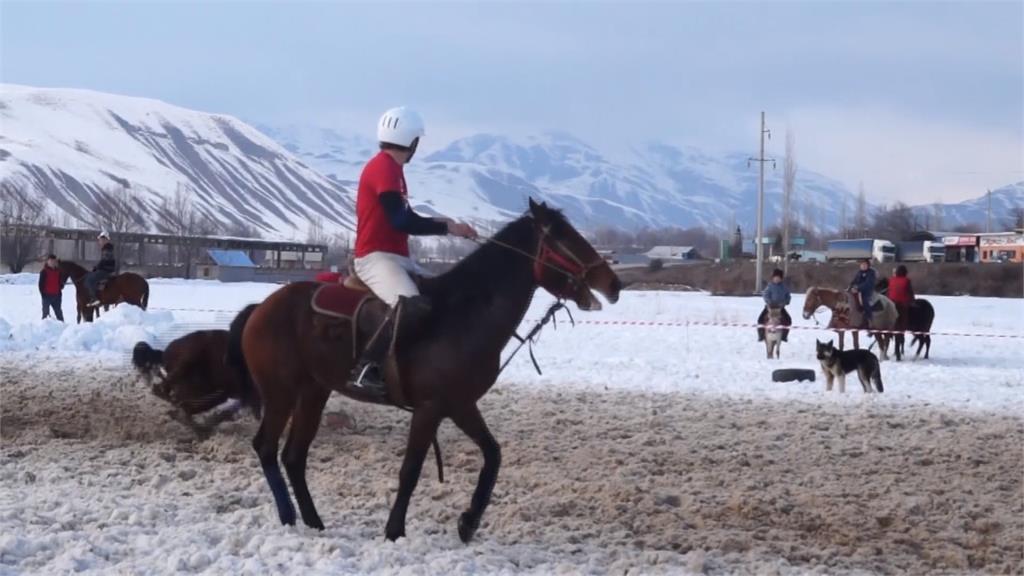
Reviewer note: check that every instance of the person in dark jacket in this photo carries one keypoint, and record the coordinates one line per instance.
(864, 285)
(104, 269)
(901, 292)
(51, 286)
(776, 295)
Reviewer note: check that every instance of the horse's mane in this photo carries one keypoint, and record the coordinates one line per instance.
(479, 275)
(72, 266)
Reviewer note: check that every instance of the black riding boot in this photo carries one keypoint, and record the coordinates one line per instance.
(406, 316)
(760, 321)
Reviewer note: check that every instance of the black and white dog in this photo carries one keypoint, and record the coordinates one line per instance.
(836, 364)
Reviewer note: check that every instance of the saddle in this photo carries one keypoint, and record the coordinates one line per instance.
(353, 302)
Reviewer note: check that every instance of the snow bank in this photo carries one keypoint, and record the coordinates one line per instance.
(116, 331)
(20, 279)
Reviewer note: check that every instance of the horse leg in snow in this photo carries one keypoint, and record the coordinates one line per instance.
(276, 412)
(305, 423)
(472, 423)
(842, 340)
(425, 421)
(856, 339)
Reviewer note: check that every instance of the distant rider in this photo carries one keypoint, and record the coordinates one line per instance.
(901, 292)
(863, 284)
(776, 295)
(103, 270)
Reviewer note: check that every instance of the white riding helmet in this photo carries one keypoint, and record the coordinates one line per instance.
(103, 234)
(400, 126)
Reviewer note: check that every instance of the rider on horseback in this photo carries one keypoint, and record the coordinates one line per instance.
(384, 223)
(103, 270)
(864, 285)
(776, 295)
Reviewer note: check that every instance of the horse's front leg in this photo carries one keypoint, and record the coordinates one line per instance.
(472, 423)
(425, 421)
(856, 339)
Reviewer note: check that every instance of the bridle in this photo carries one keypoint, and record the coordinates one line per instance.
(553, 254)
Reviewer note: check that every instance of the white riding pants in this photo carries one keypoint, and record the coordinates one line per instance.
(388, 275)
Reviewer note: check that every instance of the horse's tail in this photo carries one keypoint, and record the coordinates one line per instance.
(145, 358)
(145, 295)
(235, 359)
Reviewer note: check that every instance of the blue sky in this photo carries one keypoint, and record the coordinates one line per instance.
(920, 101)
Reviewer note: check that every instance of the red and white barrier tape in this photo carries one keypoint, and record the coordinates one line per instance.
(700, 323)
(689, 323)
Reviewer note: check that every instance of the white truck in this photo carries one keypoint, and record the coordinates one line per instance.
(861, 248)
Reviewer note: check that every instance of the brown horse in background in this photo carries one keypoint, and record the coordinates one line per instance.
(475, 309)
(127, 287)
(847, 316)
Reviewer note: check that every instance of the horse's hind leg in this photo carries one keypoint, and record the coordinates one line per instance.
(275, 417)
(472, 423)
(305, 423)
(421, 433)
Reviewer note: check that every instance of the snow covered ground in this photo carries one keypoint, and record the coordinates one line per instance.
(640, 450)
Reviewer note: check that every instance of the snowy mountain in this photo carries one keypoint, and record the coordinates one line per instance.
(74, 147)
(488, 177)
(1004, 201)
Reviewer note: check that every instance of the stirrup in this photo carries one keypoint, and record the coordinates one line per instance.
(373, 384)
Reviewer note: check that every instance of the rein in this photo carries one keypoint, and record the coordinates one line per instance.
(531, 336)
(562, 261)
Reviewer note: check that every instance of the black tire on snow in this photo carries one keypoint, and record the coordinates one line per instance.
(791, 374)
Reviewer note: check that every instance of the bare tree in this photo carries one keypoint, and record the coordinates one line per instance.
(842, 217)
(860, 217)
(120, 210)
(339, 248)
(242, 230)
(937, 216)
(18, 209)
(1015, 219)
(894, 223)
(789, 183)
(316, 233)
(181, 218)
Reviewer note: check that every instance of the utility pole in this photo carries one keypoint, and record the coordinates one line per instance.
(758, 244)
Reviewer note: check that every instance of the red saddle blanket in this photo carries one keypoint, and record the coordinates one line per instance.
(339, 300)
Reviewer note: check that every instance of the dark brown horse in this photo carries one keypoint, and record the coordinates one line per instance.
(127, 287)
(193, 375)
(476, 307)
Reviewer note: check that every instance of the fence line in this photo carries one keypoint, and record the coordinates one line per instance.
(700, 323)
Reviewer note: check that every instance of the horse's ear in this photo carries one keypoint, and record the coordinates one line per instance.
(539, 211)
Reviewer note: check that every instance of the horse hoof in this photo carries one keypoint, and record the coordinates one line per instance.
(467, 527)
(393, 533)
(314, 523)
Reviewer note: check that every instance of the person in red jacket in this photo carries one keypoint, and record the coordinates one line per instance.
(51, 286)
(384, 222)
(901, 292)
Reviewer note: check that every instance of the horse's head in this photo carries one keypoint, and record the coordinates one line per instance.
(567, 265)
(69, 269)
(811, 302)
